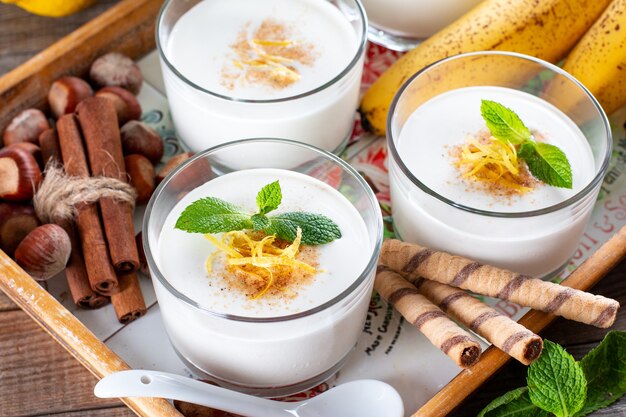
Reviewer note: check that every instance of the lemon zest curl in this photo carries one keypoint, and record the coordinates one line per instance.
(257, 256)
(495, 162)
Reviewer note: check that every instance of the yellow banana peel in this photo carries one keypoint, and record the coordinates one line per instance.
(546, 29)
(599, 59)
(51, 8)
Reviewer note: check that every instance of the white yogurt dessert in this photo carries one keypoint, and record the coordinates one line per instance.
(288, 338)
(238, 69)
(516, 230)
(416, 19)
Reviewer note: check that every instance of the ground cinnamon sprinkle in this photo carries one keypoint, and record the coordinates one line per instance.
(268, 56)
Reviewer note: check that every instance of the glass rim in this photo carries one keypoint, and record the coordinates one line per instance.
(357, 57)
(597, 179)
(363, 275)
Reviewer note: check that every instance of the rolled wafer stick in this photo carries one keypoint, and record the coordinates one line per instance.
(128, 303)
(414, 261)
(504, 333)
(428, 318)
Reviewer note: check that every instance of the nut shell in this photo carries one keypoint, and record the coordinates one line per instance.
(65, 94)
(16, 221)
(32, 149)
(115, 69)
(171, 164)
(126, 105)
(20, 174)
(25, 127)
(49, 145)
(139, 138)
(142, 176)
(44, 252)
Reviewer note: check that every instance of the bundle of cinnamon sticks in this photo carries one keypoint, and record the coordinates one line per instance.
(105, 256)
(427, 286)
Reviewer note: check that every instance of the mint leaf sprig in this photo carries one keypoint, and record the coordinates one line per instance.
(213, 215)
(558, 385)
(556, 382)
(546, 162)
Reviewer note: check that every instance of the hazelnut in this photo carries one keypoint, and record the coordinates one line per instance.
(44, 252)
(115, 69)
(32, 149)
(66, 93)
(171, 165)
(137, 137)
(25, 127)
(49, 145)
(126, 105)
(141, 172)
(16, 221)
(19, 174)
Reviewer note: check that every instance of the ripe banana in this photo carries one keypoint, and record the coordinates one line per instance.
(547, 29)
(599, 59)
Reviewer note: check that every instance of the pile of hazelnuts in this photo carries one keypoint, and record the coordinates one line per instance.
(30, 141)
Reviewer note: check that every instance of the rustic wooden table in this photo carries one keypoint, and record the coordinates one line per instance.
(38, 378)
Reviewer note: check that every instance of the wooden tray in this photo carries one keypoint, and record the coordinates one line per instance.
(129, 28)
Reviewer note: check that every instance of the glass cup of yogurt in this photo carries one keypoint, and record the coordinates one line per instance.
(237, 69)
(401, 24)
(534, 233)
(285, 342)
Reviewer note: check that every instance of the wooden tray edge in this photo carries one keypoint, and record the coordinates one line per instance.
(127, 27)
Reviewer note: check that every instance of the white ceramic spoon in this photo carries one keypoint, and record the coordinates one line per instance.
(363, 398)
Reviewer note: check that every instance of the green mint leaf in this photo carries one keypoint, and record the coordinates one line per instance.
(504, 123)
(548, 163)
(556, 382)
(605, 370)
(514, 403)
(212, 215)
(260, 222)
(269, 198)
(316, 228)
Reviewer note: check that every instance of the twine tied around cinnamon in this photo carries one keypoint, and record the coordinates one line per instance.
(59, 194)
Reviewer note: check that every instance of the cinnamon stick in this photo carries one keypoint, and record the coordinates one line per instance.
(128, 303)
(98, 121)
(414, 261)
(100, 271)
(442, 332)
(76, 274)
(504, 333)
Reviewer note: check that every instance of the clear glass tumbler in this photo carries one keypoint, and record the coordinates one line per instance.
(322, 116)
(537, 242)
(269, 356)
(401, 24)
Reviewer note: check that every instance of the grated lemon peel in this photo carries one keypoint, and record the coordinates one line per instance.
(494, 162)
(260, 258)
(275, 63)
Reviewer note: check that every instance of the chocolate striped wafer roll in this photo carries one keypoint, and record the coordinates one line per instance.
(504, 333)
(414, 261)
(430, 320)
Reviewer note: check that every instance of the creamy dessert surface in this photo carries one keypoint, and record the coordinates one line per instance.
(415, 18)
(182, 256)
(261, 50)
(430, 134)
